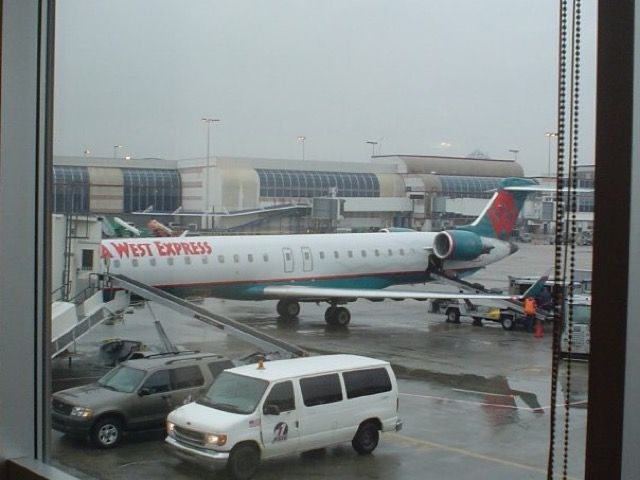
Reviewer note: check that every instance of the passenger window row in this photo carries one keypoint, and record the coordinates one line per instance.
(265, 257)
(324, 389)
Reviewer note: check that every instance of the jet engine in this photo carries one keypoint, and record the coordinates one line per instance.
(459, 245)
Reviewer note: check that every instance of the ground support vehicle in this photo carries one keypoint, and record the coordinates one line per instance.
(276, 408)
(509, 318)
(575, 342)
(135, 395)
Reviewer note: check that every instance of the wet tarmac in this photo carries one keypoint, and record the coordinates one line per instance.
(475, 400)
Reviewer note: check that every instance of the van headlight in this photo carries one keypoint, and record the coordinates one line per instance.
(217, 439)
(81, 412)
(171, 429)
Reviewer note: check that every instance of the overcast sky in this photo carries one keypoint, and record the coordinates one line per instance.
(424, 77)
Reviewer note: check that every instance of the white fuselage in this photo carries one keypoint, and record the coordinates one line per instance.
(240, 266)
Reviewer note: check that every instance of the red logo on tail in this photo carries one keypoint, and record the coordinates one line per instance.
(503, 214)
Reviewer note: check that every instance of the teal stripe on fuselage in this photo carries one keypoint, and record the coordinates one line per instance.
(255, 291)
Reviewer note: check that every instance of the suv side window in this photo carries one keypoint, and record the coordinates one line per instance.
(186, 377)
(366, 382)
(216, 367)
(281, 395)
(157, 382)
(321, 389)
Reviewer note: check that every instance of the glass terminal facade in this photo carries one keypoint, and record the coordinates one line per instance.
(156, 188)
(302, 183)
(70, 189)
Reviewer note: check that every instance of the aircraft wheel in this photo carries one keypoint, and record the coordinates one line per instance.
(288, 309)
(330, 315)
(342, 317)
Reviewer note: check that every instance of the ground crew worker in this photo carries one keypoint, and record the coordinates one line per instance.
(530, 313)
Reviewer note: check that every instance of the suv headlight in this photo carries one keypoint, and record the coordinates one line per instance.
(81, 412)
(171, 429)
(218, 439)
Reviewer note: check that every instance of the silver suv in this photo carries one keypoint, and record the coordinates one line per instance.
(136, 395)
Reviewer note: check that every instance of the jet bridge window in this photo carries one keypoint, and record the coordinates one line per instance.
(87, 259)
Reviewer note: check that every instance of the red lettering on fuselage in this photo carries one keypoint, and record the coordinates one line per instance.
(162, 249)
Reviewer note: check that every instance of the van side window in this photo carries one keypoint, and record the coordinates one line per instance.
(281, 395)
(186, 377)
(321, 389)
(366, 382)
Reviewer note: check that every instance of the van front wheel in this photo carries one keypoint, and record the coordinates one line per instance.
(243, 462)
(366, 439)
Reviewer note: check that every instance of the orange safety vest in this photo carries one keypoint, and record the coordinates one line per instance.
(529, 306)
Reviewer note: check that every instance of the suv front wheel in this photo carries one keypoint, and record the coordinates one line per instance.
(107, 432)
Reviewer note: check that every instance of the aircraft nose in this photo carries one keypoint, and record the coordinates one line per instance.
(513, 248)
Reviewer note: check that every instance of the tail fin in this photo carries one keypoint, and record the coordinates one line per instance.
(501, 213)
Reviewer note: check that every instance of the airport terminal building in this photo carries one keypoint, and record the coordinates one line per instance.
(258, 195)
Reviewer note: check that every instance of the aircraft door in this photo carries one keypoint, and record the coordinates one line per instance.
(287, 256)
(307, 259)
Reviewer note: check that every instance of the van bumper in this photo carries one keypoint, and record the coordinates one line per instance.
(399, 425)
(203, 457)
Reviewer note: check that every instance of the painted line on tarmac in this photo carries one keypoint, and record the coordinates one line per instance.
(496, 405)
(483, 393)
(468, 453)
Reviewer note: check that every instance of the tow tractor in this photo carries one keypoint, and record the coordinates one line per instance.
(454, 309)
(509, 314)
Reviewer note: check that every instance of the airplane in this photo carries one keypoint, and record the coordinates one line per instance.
(332, 268)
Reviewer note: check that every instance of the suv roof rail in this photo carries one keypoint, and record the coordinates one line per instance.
(204, 355)
(164, 354)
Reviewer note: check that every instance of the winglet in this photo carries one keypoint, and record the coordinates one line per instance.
(537, 287)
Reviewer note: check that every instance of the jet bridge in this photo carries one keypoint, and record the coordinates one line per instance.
(266, 343)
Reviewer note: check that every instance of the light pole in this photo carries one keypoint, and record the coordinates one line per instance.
(373, 147)
(301, 139)
(549, 135)
(115, 150)
(515, 153)
(209, 122)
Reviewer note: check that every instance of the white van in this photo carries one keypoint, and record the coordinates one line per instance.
(281, 407)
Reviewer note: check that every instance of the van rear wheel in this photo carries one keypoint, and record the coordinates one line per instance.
(243, 462)
(366, 439)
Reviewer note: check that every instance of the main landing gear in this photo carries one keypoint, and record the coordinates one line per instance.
(335, 316)
(288, 309)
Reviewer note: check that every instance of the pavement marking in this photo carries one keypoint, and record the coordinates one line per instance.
(496, 405)
(483, 393)
(468, 453)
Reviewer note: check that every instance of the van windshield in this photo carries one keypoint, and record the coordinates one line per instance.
(122, 379)
(235, 393)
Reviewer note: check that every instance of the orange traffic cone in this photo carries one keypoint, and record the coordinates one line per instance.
(539, 331)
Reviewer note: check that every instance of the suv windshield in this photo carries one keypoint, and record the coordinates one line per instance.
(235, 393)
(122, 379)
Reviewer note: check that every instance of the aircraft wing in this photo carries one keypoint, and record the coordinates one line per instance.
(350, 294)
